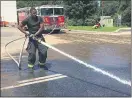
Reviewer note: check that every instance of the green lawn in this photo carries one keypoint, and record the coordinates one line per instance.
(89, 28)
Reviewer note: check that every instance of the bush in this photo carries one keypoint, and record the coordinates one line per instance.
(90, 22)
(79, 22)
(75, 22)
(71, 22)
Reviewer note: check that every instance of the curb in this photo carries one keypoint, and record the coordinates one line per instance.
(85, 31)
(122, 29)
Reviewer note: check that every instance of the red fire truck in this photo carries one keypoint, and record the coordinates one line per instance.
(3, 23)
(53, 16)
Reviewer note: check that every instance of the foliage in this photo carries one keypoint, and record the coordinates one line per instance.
(86, 12)
(118, 7)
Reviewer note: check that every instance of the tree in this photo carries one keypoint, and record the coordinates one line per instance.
(80, 11)
(119, 7)
(32, 3)
(86, 12)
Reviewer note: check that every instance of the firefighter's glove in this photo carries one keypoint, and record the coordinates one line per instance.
(32, 36)
(27, 34)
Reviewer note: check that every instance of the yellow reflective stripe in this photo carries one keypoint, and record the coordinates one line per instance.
(30, 65)
(41, 63)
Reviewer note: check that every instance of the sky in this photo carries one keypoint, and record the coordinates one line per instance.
(9, 11)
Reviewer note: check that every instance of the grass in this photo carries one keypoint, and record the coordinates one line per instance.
(89, 28)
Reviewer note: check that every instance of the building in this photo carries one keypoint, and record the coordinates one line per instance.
(9, 12)
(106, 21)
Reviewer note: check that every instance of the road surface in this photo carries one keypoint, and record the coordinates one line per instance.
(65, 77)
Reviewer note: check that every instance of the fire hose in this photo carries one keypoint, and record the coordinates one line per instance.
(21, 52)
(69, 56)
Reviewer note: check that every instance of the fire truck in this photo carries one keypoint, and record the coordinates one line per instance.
(53, 16)
(3, 23)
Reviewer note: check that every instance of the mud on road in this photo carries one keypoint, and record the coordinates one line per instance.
(107, 49)
(97, 38)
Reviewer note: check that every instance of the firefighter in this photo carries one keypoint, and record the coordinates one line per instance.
(35, 27)
(97, 25)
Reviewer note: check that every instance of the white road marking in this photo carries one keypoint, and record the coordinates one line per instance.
(12, 56)
(33, 82)
(89, 66)
(39, 78)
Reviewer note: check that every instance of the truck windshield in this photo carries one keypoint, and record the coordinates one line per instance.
(46, 11)
(58, 11)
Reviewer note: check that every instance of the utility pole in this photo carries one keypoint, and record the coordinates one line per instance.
(102, 3)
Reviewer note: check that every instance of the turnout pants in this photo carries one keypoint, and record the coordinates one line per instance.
(33, 45)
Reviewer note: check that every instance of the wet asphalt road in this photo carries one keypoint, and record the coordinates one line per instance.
(103, 51)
